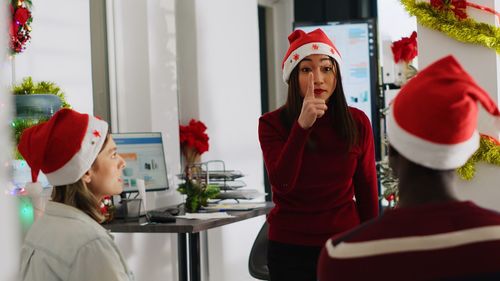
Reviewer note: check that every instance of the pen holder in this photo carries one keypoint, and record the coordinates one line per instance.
(129, 209)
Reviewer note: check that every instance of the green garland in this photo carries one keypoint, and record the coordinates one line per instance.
(28, 87)
(489, 152)
(19, 125)
(467, 31)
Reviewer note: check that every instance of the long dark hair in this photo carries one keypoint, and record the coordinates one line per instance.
(343, 122)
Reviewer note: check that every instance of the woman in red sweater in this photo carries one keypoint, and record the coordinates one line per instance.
(319, 155)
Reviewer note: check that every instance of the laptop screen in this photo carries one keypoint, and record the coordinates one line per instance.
(145, 159)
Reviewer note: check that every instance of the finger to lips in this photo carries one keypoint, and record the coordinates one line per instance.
(310, 86)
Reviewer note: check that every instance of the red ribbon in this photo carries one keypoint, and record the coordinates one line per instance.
(458, 7)
(484, 8)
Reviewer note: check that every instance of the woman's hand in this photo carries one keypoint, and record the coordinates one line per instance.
(312, 107)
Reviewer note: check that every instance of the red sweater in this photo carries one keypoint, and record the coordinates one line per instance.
(447, 241)
(313, 188)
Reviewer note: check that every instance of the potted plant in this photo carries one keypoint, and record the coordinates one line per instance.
(194, 142)
(35, 102)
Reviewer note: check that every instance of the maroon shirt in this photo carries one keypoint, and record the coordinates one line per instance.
(314, 184)
(447, 241)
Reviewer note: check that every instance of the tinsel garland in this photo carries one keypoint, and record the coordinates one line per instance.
(489, 152)
(388, 181)
(467, 30)
(29, 87)
(19, 125)
(20, 25)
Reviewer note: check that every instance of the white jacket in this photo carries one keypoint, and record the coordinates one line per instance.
(67, 244)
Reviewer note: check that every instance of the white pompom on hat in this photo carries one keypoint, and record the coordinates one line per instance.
(304, 44)
(64, 147)
(433, 119)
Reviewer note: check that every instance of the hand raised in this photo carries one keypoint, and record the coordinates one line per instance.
(312, 107)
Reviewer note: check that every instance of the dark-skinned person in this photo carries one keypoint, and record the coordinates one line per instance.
(319, 156)
(430, 235)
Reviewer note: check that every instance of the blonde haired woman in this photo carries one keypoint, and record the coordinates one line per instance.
(79, 159)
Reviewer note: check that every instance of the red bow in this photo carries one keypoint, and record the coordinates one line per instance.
(457, 6)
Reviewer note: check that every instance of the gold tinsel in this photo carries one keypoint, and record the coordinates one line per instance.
(467, 31)
(489, 152)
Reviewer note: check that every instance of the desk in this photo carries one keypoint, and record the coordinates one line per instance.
(188, 235)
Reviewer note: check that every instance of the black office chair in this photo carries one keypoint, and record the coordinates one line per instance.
(257, 261)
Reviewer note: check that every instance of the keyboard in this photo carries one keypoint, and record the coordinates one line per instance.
(160, 217)
(240, 194)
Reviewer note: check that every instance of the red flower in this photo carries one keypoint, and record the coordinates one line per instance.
(457, 6)
(405, 49)
(194, 136)
(22, 15)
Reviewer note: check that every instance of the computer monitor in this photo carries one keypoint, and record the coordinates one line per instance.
(145, 160)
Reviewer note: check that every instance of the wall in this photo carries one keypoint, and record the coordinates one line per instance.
(143, 74)
(9, 233)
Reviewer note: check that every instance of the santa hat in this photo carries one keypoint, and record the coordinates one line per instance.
(64, 147)
(434, 117)
(304, 44)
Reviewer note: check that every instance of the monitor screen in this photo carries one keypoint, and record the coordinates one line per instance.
(356, 42)
(145, 160)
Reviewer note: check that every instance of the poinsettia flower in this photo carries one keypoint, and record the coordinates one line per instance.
(405, 49)
(22, 15)
(194, 136)
(457, 6)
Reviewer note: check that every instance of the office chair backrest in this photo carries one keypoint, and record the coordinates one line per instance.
(257, 261)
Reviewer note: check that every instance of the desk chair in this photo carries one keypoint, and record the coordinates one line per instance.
(257, 261)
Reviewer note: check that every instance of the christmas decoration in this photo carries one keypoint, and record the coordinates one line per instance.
(405, 49)
(19, 31)
(449, 17)
(194, 141)
(28, 87)
(107, 209)
(19, 125)
(388, 182)
(489, 152)
(303, 44)
(64, 147)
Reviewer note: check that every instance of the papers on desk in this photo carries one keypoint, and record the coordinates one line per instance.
(205, 216)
